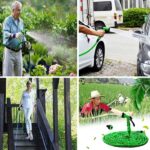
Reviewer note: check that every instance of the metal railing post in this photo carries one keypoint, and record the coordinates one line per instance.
(67, 113)
(10, 126)
(55, 111)
(1, 119)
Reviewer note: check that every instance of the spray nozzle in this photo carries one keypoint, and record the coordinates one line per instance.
(128, 118)
(24, 32)
(106, 29)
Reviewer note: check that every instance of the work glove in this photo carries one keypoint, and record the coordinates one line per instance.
(19, 35)
(28, 45)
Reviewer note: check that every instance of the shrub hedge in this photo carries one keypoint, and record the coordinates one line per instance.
(134, 17)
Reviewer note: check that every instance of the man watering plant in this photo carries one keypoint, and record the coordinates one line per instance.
(12, 37)
(96, 104)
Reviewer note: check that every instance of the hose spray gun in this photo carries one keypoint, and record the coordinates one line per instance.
(106, 29)
(129, 119)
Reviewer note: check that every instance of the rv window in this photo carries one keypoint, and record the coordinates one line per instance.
(102, 6)
(118, 5)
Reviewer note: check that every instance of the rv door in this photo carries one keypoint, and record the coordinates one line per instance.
(86, 12)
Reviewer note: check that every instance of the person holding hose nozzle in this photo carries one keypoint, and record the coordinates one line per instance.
(95, 105)
(86, 30)
(12, 37)
(27, 104)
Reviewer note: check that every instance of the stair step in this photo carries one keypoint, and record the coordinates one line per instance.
(28, 148)
(26, 143)
(20, 137)
(19, 132)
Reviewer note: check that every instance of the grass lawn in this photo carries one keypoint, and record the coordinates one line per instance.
(111, 91)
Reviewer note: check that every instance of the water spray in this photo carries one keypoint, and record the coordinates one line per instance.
(130, 34)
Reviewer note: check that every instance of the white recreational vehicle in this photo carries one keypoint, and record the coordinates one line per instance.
(101, 13)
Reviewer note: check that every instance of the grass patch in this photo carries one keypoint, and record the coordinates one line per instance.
(110, 91)
(5, 142)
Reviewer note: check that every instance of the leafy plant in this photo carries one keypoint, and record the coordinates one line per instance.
(58, 71)
(40, 49)
(1, 53)
(49, 60)
(39, 71)
(35, 59)
(140, 89)
(134, 17)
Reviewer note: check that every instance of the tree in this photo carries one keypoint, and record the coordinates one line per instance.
(140, 89)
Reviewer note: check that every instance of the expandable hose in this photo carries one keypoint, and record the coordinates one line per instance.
(106, 29)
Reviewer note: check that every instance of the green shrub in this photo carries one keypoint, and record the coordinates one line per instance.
(44, 19)
(1, 53)
(29, 17)
(71, 24)
(134, 17)
(39, 71)
(59, 71)
(5, 11)
(49, 60)
(35, 59)
(66, 26)
(25, 61)
(40, 49)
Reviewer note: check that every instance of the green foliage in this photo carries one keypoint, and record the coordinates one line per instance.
(110, 91)
(5, 11)
(139, 89)
(45, 19)
(69, 68)
(29, 16)
(44, 16)
(71, 24)
(1, 53)
(134, 17)
(5, 141)
(49, 60)
(40, 49)
(59, 71)
(66, 26)
(39, 71)
(35, 59)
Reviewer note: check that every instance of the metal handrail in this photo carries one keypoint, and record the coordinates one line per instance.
(45, 130)
(11, 145)
(1, 119)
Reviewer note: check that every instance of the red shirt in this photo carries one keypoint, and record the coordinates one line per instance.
(88, 107)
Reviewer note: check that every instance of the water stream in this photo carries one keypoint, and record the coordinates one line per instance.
(132, 35)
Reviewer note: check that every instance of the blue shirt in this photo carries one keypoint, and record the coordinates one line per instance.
(11, 26)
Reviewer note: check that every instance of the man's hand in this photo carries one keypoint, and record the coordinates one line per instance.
(100, 33)
(19, 35)
(91, 31)
(28, 45)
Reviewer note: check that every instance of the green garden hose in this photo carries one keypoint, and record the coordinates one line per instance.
(106, 29)
(126, 138)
